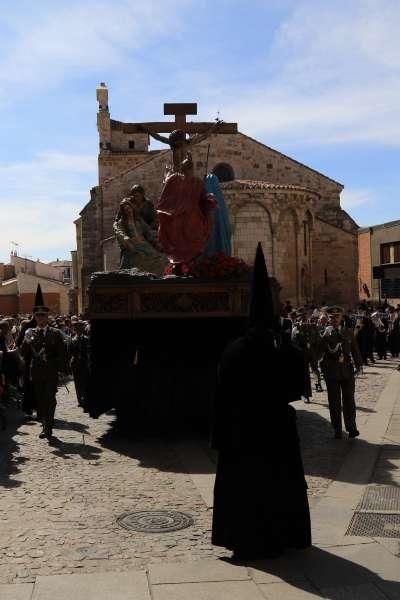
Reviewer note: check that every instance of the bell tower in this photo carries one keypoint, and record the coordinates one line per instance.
(120, 148)
(103, 117)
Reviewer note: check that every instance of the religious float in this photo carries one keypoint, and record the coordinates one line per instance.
(160, 323)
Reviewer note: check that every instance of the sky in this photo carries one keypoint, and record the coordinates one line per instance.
(318, 80)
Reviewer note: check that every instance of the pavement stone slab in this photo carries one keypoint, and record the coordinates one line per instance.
(323, 568)
(21, 591)
(221, 590)
(96, 586)
(375, 559)
(288, 568)
(289, 591)
(195, 572)
(362, 591)
(392, 545)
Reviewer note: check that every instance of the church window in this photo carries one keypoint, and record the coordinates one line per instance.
(108, 145)
(269, 166)
(396, 247)
(326, 277)
(131, 144)
(385, 253)
(224, 172)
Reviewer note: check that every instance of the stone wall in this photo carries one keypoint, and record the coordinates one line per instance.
(52, 300)
(364, 265)
(335, 265)
(35, 267)
(252, 224)
(78, 265)
(8, 305)
(120, 140)
(8, 298)
(112, 164)
(54, 292)
(91, 230)
(281, 218)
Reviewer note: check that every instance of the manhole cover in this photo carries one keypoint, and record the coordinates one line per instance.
(155, 521)
(375, 525)
(380, 498)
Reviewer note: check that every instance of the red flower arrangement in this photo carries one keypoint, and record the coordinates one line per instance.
(216, 266)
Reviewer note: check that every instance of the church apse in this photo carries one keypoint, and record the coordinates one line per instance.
(287, 255)
(252, 224)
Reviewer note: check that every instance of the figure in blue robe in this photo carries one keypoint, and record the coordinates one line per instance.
(220, 240)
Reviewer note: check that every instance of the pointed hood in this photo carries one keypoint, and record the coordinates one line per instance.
(39, 305)
(262, 313)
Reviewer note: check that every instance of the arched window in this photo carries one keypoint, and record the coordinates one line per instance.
(224, 172)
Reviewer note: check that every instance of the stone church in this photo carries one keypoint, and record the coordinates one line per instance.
(309, 241)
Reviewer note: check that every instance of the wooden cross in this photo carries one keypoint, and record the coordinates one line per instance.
(180, 111)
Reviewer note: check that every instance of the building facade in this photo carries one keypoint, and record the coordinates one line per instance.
(310, 242)
(379, 262)
(18, 284)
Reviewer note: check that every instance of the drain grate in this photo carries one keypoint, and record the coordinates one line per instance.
(375, 525)
(155, 521)
(380, 498)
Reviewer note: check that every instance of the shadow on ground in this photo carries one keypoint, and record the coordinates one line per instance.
(70, 426)
(9, 461)
(331, 576)
(64, 449)
(163, 454)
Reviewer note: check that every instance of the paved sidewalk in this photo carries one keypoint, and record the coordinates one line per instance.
(338, 566)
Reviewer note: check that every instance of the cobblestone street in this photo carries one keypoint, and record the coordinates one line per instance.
(59, 503)
(323, 455)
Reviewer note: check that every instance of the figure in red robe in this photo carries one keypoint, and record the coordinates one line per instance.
(185, 213)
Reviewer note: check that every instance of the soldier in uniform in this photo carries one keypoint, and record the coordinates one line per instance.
(305, 336)
(43, 349)
(340, 359)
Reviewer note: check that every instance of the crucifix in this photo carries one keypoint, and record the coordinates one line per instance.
(178, 129)
(180, 112)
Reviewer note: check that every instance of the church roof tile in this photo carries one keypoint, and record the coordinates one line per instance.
(250, 184)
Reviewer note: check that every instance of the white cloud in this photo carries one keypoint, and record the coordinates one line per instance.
(40, 199)
(79, 37)
(353, 198)
(39, 231)
(332, 76)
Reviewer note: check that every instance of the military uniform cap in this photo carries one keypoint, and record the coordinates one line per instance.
(334, 310)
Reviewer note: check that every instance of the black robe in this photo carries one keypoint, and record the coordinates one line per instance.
(381, 339)
(394, 338)
(260, 495)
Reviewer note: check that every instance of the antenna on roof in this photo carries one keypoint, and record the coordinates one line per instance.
(14, 246)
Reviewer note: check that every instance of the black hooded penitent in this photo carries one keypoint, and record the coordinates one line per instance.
(39, 305)
(261, 311)
(260, 497)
